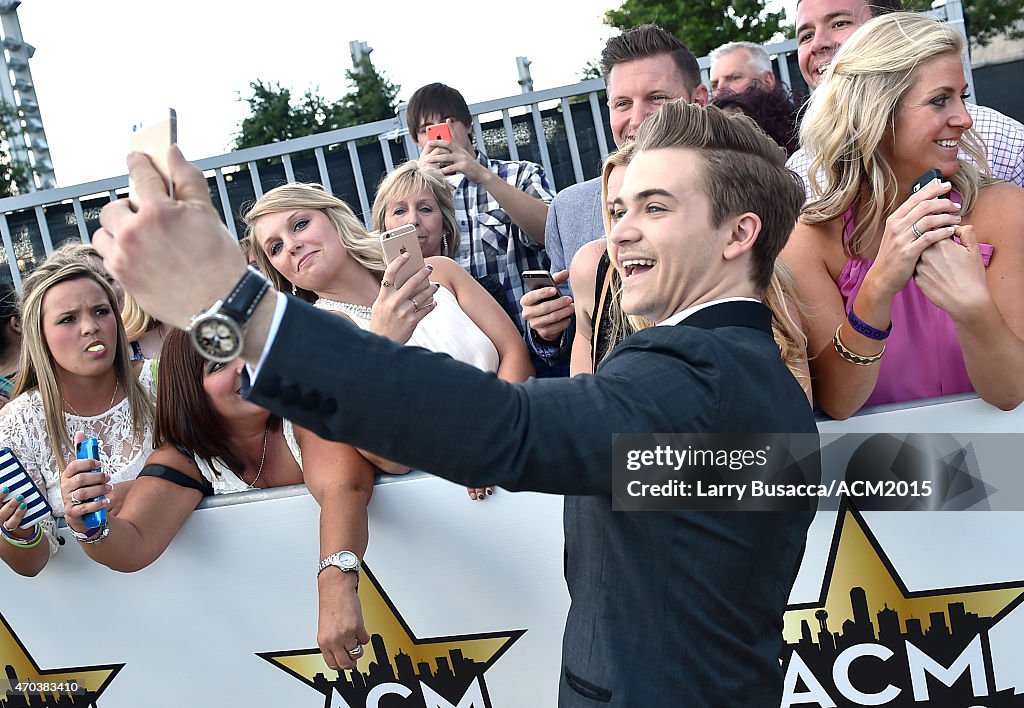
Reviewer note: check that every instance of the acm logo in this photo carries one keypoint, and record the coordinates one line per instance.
(869, 641)
(399, 669)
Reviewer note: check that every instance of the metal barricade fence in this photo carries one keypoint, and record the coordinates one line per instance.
(571, 122)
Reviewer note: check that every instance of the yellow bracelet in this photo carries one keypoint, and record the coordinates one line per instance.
(851, 356)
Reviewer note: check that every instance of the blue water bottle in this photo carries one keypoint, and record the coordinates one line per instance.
(89, 449)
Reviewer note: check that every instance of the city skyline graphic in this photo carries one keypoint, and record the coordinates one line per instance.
(21, 667)
(449, 666)
(864, 601)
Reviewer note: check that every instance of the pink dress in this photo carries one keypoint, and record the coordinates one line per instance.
(922, 354)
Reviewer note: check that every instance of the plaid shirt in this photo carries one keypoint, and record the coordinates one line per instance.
(491, 244)
(1002, 135)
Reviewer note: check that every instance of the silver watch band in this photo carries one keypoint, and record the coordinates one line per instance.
(345, 561)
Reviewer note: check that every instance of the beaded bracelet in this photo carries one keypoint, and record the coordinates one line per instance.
(100, 537)
(30, 542)
(851, 356)
(88, 534)
(866, 329)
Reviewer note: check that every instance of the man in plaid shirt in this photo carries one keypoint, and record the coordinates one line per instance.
(822, 26)
(501, 206)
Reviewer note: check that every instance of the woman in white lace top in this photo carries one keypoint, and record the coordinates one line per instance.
(76, 376)
(310, 242)
(212, 441)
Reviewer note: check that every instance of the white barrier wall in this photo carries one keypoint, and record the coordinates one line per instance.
(468, 603)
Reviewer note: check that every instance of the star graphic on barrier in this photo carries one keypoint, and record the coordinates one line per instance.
(394, 650)
(857, 560)
(20, 667)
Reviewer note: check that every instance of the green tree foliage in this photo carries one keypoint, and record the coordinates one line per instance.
(372, 96)
(14, 175)
(702, 24)
(986, 19)
(276, 116)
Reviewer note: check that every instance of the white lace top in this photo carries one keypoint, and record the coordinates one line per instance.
(23, 429)
(225, 481)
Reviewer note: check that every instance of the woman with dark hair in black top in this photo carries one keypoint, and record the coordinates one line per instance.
(210, 440)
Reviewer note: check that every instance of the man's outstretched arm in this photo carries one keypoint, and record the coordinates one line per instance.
(419, 408)
(174, 256)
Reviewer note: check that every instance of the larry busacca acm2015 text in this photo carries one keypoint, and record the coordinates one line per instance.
(755, 488)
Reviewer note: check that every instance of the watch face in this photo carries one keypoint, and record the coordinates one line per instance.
(347, 560)
(217, 338)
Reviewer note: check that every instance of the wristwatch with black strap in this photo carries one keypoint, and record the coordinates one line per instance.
(218, 333)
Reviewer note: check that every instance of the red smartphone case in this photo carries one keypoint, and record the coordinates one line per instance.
(439, 131)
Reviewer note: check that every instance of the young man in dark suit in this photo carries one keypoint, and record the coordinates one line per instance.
(668, 608)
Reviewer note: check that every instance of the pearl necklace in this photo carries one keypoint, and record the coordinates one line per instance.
(263, 459)
(363, 311)
(109, 405)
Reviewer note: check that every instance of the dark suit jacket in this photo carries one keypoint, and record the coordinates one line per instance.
(668, 608)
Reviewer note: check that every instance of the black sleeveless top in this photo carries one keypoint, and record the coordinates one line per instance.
(602, 341)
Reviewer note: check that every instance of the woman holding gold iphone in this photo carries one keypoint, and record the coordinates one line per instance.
(310, 242)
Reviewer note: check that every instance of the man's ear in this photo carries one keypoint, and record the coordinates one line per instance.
(700, 95)
(471, 134)
(743, 235)
(15, 324)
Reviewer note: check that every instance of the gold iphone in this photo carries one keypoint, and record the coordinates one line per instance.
(401, 240)
(155, 139)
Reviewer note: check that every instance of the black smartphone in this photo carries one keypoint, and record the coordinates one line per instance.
(537, 279)
(925, 180)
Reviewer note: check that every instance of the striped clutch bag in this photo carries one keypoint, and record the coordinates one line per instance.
(16, 479)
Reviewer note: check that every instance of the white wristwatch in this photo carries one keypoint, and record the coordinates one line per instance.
(346, 561)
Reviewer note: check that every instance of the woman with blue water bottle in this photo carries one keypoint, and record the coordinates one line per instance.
(76, 381)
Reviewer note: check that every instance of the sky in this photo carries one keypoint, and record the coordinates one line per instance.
(101, 67)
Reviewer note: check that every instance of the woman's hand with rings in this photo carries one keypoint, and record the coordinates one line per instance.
(341, 633)
(402, 302)
(926, 217)
(79, 485)
(11, 515)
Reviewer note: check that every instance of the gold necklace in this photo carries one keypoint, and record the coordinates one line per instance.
(263, 458)
(109, 405)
